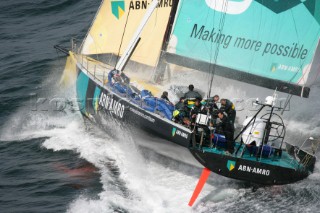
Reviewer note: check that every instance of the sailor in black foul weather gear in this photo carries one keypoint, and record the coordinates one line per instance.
(213, 107)
(228, 107)
(199, 123)
(181, 111)
(227, 128)
(196, 109)
(181, 105)
(192, 94)
(213, 103)
(165, 96)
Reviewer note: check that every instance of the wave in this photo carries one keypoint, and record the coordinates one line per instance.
(136, 173)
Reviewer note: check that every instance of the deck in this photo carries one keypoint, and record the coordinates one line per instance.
(285, 160)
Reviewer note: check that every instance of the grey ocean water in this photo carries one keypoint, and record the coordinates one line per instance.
(54, 161)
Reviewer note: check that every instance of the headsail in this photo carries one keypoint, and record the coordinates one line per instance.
(267, 43)
(69, 76)
(122, 17)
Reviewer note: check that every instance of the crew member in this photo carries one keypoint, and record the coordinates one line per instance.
(181, 104)
(125, 78)
(180, 112)
(112, 75)
(213, 107)
(192, 94)
(196, 109)
(229, 108)
(120, 82)
(215, 100)
(115, 76)
(228, 130)
(165, 96)
(200, 130)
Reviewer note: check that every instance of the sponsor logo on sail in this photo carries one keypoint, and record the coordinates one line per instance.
(173, 131)
(118, 8)
(143, 4)
(231, 165)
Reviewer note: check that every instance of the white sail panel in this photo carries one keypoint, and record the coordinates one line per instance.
(311, 73)
(111, 22)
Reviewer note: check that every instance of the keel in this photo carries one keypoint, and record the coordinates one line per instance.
(203, 178)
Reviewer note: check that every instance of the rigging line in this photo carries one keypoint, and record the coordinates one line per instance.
(59, 58)
(154, 27)
(303, 73)
(91, 25)
(159, 56)
(221, 25)
(124, 31)
(301, 61)
(295, 27)
(208, 48)
(211, 49)
(286, 103)
(318, 74)
(210, 52)
(257, 36)
(314, 57)
(210, 64)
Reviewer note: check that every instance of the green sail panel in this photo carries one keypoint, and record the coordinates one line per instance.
(274, 41)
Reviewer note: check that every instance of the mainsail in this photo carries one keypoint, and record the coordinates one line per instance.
(268, 43)
(118, 18)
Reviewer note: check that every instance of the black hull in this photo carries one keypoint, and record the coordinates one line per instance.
(99, 103)
(247, 170)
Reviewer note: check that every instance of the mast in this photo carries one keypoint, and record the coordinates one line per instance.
(162, 64)
(136, 37)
